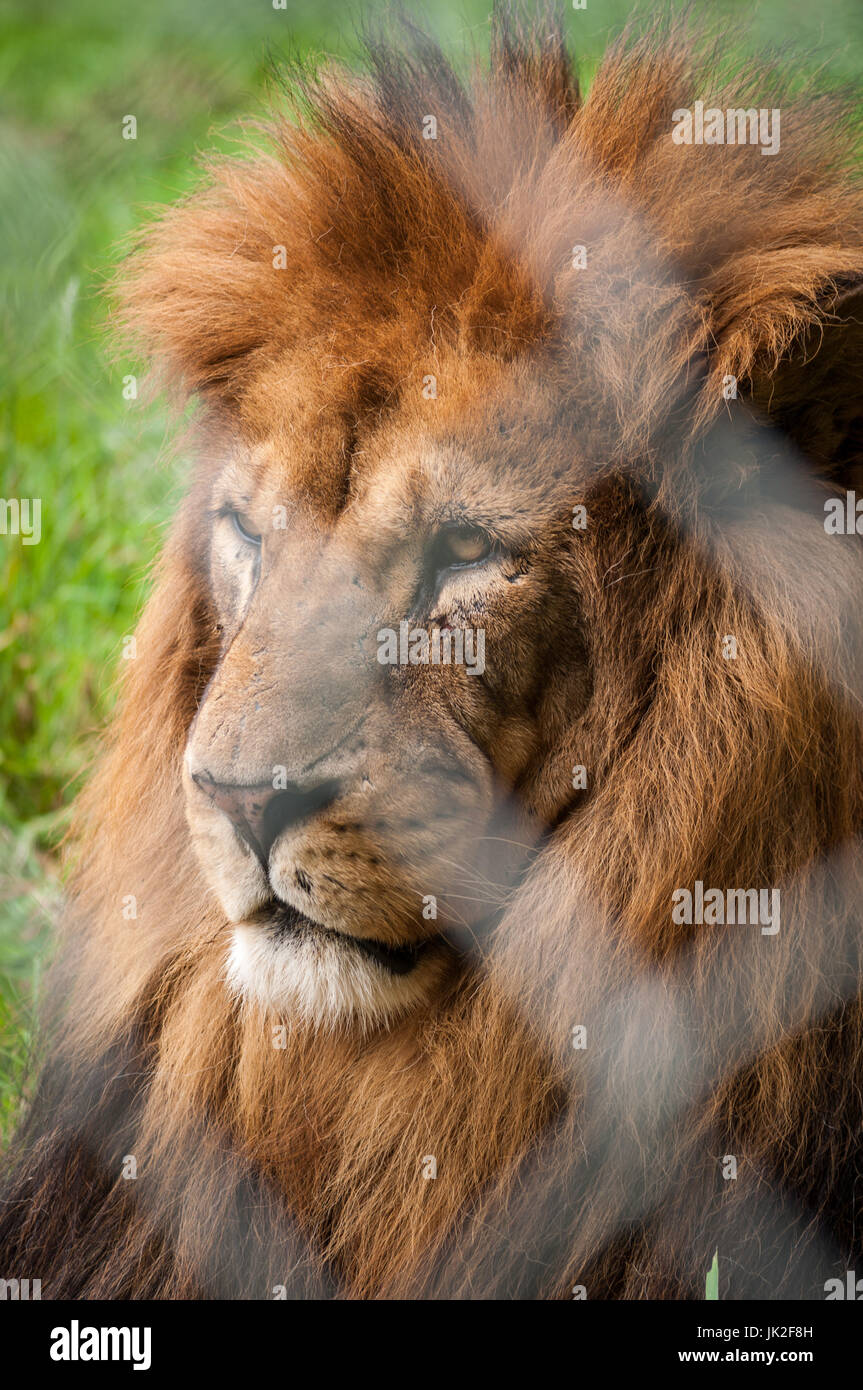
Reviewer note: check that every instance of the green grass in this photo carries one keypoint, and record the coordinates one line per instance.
(70, 189)
(29, 902)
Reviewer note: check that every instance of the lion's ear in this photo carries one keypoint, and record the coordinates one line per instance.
(816, 393)
(804, 371)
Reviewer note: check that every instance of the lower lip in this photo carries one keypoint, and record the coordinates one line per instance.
(398, 960)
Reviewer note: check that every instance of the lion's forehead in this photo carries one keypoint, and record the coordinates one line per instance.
(493, 445)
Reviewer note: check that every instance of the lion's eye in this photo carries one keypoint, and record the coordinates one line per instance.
(250, 537)
(462, 545)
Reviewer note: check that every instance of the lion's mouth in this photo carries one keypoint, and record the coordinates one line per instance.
(283, 921)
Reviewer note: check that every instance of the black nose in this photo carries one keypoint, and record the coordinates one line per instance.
(259, 813)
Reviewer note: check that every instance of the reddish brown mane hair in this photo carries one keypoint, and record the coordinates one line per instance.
(258, 1167)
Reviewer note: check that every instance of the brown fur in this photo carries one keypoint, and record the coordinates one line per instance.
(259, 1167)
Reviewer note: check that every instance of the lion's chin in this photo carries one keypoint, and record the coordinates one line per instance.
(327, 979)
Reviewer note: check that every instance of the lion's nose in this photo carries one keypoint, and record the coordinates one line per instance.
(259, 813)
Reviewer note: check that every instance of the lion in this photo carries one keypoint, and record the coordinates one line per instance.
(498, 669)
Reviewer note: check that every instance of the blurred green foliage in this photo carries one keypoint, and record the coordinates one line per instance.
(70, 189)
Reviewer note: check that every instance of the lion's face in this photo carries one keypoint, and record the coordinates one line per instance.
(376, 739)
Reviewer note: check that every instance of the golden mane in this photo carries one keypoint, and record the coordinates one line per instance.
(260, 1167)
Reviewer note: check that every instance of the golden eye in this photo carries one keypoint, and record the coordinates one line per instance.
(463, 545)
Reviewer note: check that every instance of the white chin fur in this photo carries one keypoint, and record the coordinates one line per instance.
(319, 982)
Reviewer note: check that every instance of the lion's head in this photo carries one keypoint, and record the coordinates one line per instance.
(403, 606)
(499, 611)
